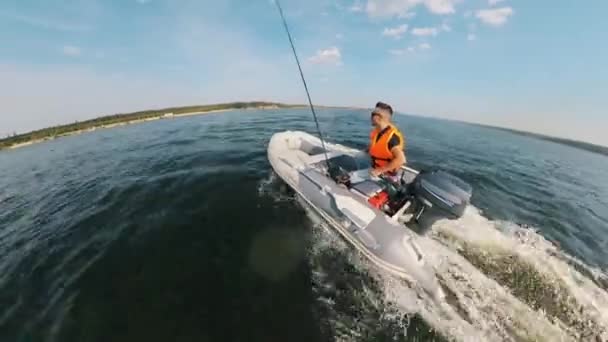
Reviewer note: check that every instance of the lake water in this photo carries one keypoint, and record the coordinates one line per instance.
(177, 230)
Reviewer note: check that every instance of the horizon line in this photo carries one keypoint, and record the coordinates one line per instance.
(435, 117)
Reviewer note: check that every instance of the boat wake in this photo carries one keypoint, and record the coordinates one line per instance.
(516, 280)
(503, 283)
(274, 187)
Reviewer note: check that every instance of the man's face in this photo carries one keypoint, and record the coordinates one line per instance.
(378, 119)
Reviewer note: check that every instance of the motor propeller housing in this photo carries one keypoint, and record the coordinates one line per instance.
(437, 195)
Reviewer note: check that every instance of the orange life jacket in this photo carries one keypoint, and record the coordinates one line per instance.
(378, 150)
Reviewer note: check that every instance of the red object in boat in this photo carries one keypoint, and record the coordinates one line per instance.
(379, 199)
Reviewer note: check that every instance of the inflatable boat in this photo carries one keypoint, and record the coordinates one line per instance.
(383, 218)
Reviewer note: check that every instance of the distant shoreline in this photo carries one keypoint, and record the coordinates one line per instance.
(104, 122)
(118, 124)
(109, 121)
(603, 150)
(581, 145)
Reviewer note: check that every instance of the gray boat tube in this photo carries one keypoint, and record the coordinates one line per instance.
(298, 159)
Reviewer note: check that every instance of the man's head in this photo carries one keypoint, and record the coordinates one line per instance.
(381, 115)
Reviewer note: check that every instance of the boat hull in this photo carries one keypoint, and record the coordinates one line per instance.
(298, 159)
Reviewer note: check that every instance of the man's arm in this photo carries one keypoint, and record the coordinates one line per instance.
(397, 161)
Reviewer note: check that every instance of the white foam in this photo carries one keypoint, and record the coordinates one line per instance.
(480, 308)
(491, 309)
(275, 188)
(545, 257)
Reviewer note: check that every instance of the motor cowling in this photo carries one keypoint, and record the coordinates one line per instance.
(438, 194)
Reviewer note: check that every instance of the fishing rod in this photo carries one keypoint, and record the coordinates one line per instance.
(312, 108)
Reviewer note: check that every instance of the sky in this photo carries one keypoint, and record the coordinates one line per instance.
(538, 65)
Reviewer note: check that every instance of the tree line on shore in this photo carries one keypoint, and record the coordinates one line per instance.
(56, 131)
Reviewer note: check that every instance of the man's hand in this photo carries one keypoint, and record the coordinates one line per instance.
(375, 172)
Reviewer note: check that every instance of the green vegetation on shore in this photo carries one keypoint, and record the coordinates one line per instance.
(116, 119)
(63, 130)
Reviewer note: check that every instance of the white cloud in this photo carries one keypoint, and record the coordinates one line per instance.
(425, 31)
(72, 51)
(327, 56)
(441, 6)
(356, 7)
(471, 37)
(419, 47)
(409, 49)
(408, 15)
(395, 32)
(445, 27)
(378, 8)
(494, 2)
(495, 17)
(44, 22)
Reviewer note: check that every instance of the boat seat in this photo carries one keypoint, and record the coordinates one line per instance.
(367, 188)
(310, 148)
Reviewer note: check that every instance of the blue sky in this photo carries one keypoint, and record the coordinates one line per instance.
(534, 65)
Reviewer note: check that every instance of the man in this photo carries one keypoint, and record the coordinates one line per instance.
(386, 143)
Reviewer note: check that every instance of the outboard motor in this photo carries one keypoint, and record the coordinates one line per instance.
(437, 195)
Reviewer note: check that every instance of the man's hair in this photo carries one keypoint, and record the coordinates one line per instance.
(385, 106)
